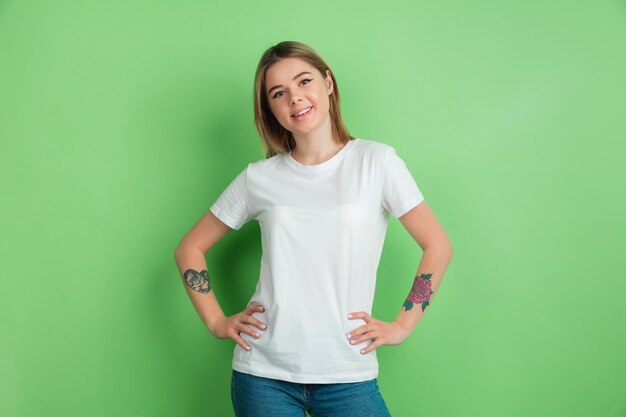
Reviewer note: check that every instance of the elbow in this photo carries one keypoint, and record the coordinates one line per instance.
(448, 249)
(184, 248)
(442, 246)
(180, 248)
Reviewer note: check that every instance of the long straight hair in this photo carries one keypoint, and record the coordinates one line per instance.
(274, 137)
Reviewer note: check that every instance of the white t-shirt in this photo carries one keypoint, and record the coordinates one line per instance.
(322, 230)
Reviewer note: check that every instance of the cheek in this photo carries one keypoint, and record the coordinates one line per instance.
(278, 110)
(323, 97)
(323, 104)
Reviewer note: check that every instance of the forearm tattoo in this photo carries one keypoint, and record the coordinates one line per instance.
(420, 292)
(198, 281)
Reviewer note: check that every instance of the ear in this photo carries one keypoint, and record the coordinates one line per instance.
(329, 82)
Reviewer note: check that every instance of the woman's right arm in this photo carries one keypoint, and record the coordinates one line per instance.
(189, 256)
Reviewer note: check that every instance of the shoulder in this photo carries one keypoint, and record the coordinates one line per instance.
(373, 149)
(372, 145)
(265, 165)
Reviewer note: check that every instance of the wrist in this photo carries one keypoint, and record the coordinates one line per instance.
(211, 322)
(402, 327)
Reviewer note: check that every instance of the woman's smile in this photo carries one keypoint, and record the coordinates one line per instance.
(303, 116)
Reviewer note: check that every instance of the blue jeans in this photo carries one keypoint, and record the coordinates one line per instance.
(255, 396)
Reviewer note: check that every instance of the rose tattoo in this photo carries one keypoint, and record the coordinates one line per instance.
(420, 292)
(198, 281)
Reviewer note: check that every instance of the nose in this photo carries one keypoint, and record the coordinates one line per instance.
(295, 98)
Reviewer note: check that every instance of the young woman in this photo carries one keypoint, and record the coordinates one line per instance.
(307, 340)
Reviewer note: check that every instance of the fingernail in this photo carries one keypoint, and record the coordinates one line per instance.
(248, 348)
(264, 327)
(362, 350)
(348, 335)
(352, 342)
(349, 316)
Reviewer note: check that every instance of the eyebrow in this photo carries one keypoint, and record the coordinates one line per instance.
(278, 86)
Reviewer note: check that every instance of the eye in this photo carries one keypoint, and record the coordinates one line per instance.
(305, 79)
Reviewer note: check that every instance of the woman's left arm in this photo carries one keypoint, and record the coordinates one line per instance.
(424, 227)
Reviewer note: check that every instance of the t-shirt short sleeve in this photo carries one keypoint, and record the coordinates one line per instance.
(400, 193)
(231, 206)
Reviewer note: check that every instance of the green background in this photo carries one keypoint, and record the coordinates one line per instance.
(122, 121)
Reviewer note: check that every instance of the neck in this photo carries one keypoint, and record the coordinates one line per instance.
(313, 148)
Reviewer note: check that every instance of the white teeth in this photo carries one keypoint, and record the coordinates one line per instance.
(302, 112)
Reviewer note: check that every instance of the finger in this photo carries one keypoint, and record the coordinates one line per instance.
(371, 347)
(359, 331)
(354, 333)
(254, 308)
(246, 329)
(360, 315)
(241, 342)
(367, 336)
(259, 324)
(249, 319)
(253, 321)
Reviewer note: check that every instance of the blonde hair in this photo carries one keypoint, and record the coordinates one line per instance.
(275, 138)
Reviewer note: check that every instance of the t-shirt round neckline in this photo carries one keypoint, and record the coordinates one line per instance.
(324, 166)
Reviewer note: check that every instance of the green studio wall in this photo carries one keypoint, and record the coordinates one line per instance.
(121, 122)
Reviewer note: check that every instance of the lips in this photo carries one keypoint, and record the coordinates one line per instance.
(300, 110)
